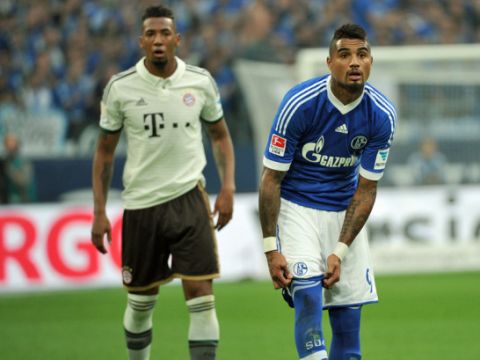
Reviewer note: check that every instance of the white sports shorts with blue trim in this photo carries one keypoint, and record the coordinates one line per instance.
(308, 236)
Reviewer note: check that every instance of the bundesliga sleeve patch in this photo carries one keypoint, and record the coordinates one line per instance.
(277, 145)
(381, 159)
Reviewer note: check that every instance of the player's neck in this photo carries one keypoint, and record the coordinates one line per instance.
(346, 94)
(162, 70)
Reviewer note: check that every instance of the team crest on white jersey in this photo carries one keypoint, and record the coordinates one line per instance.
(278, 145)
(189, 99)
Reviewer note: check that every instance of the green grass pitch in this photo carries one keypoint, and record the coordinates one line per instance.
(424, 317)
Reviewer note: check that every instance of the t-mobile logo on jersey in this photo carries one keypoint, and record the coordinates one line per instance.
(278, 145)
(153, 123)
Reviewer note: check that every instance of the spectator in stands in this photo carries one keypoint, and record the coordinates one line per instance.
(258, 41)
(428, 164)
(37, 96)
(18, 171)
(11, 114)
(73, 95)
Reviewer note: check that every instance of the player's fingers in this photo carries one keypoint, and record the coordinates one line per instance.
(327, 283)
(288, 275)
(275, 285)
(223, 219)
(281, 280)
(97, 241)
(109, 236)
(220, 223)
(327, 278)
(101, 248)
(331, 277)
(278, 283)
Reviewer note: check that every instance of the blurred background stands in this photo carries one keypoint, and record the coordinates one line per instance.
(56, 57)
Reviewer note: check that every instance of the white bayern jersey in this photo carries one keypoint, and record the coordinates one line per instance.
(161, 119)
(323, 144)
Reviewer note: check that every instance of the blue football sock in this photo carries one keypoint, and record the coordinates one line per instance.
(345, 323)
(307, 299)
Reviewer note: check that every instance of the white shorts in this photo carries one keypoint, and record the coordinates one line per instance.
(308, 236)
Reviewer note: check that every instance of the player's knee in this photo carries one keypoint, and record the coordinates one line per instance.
(194, 289)
(139, 312)
(137, 322)
(203, 318)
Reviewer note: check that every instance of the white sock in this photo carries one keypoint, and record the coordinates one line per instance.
(137, 322)
(204, 331)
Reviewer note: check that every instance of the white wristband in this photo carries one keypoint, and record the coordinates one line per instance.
(270, 244)
(341, 250)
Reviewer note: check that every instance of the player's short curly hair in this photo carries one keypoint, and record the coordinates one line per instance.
(348, 31)
(157, 11)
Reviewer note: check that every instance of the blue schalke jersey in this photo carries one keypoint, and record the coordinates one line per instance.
(323, 144)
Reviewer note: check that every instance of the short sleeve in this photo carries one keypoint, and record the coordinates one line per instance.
(284, 135)
(111, 116)
(375, 155)
(212, 110)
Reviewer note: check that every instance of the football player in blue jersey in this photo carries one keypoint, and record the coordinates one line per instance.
(326, 151)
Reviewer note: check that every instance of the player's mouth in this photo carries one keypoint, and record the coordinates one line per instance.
(158, 52)
(354, 76)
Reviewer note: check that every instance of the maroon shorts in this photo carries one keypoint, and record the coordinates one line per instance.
(171, 240)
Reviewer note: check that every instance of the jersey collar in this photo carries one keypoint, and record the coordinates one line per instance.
(337, 103)
(156, 80)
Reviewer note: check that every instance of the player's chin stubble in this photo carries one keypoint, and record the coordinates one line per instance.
(159, 64)
(352, 87)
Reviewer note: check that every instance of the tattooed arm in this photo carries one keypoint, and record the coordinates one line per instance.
(269, 208)
(359, 209)
(355, 218)
(101, 178)
(225, 161)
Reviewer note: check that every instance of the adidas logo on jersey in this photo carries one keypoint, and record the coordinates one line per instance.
(141, 102)
(342, 129)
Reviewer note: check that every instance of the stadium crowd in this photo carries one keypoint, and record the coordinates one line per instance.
(57, 55)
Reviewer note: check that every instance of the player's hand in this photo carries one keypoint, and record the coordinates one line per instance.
(223, 207)
(277, 265)
(100, 227)
(332, 275)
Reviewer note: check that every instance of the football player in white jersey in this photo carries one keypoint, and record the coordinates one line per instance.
(326, 151)
(168, 226)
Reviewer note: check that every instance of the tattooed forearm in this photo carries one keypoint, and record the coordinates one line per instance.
(269, 200)
(358, 211)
